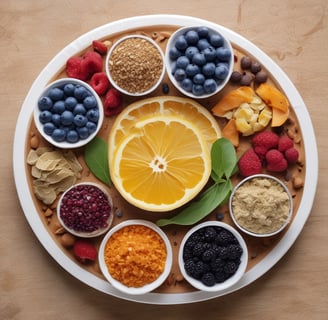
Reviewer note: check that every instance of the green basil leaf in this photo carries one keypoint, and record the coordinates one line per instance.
(197, 210)
(96, 158)
(224, 159)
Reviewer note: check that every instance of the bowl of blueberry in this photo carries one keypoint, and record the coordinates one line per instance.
(213, 256)
(68, 113)
(85, 210)
(199, 61)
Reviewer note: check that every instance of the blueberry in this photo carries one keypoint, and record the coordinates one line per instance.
(67, 118)
(72, 136)
(199, 78)
(223, 54)
(69, 89)
(192, 37)
(203, 44)
(199, 59)
(79, 109)
(165, 88)
(210, 85)
(209, 69)
(49, 128)
(70, 103)
(192, 69)
(83, 132)
(202, 32)
(58, 107)
(59, 135)
(210, 54)
(221, 71)
(216, 40)
(179, 74)
(80, 93)
(93, 115)
(187, 84)
(174, 53)
(181, 43)
(182, 62)
(56, 94)
(90, 102)
(55, 119)
(80, 120)
(190, 51)
(91, 126)
(197, 89)
(45, 116)
(45, 103)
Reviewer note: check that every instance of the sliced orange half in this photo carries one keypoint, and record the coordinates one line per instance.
(165, 106)
(161, 164)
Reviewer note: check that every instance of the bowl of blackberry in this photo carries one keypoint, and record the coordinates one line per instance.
(213, 256)
(199, 61)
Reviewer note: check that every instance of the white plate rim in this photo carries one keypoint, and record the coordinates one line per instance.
(32, 216)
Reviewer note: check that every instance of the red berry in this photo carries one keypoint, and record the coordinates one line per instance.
(91, 63)
(100, 83)
(113, 102)
(291, 155)
(285, 143)
(249, 163)
(264, 141)
(84, 251)
(100, 47)
(73, 68)
(276, 161)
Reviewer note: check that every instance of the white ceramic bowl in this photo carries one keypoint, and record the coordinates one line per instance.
(150, 286)
(125, 90)
(228, 282)
(81, 141)
(170, 63)
(86, 200)
(260, 195)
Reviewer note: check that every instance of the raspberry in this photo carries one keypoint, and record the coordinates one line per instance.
(113, 102)
(100, 83)
(285, 143)
(84, 251)
(276, 161)
(99, 46)
(249, 163)
(73, 68)
(264, 141)
(291, 155)
(91, 63)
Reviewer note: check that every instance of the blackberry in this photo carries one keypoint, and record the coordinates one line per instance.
(202, 267)
(230, 268)
(190, 244)
(208, 255)
(190, 267)
(223, 252)
(217, 264)
(225, 237)
(187, 254)
(235, 251)
(198, 249)
(209, 234)
(206, 246)
(208, 279)
(220, 276)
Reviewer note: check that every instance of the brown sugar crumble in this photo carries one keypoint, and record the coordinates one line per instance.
(135, 65)
(135, 255)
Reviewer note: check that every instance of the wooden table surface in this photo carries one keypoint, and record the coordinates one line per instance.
(33, 286)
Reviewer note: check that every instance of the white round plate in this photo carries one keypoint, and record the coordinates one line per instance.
(30, 211)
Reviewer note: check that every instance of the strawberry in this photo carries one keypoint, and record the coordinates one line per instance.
(100, 47)
(100, 83)
(264, 141)
(113, 102)
(84, 251)
(285, 143)
(276, 161)
(91, 63)
(73, 68)
(291, 155)
(249, 163)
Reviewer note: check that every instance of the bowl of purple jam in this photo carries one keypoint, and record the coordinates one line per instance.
(85, 210)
